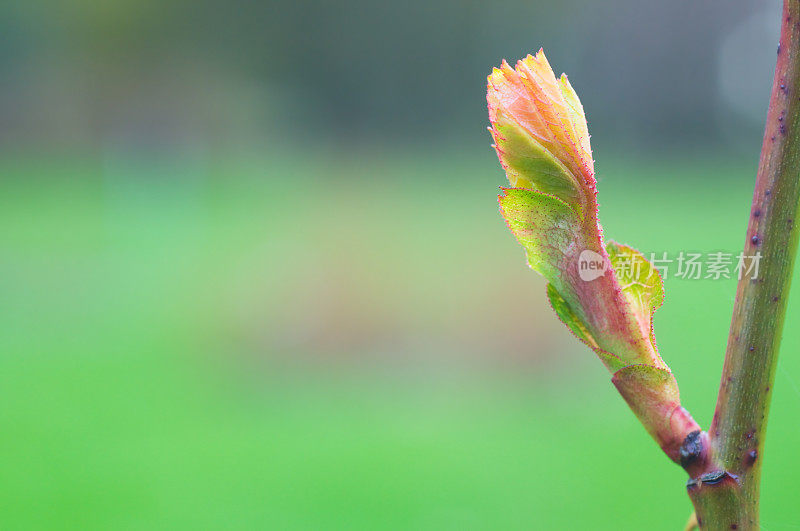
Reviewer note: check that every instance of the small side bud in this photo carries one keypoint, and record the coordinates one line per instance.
(694, 452)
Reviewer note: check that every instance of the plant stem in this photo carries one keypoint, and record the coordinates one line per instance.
(726, 495)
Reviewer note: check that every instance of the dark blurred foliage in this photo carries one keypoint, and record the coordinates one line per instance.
(245, 73)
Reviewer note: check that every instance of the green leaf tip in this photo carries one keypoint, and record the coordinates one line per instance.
(544, 225)
(640, 282)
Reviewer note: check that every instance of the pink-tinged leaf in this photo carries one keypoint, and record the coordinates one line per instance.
(578, 118)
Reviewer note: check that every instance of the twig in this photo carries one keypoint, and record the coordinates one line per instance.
(726, 494)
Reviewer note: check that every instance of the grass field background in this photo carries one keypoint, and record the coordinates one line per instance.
(342, 342)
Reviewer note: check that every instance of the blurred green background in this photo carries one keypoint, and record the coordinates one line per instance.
(253, 275)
